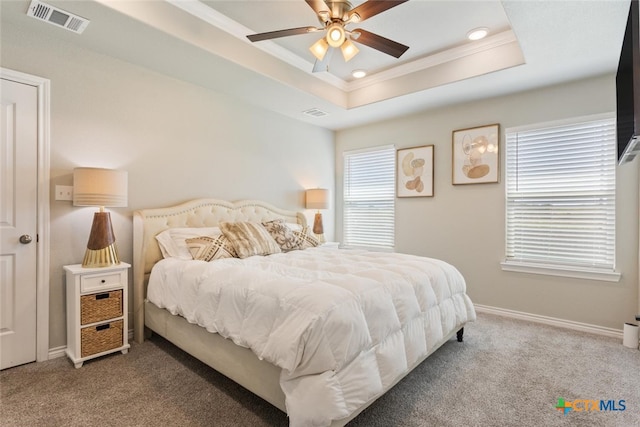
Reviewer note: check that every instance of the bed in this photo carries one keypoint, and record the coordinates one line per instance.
(319, 333)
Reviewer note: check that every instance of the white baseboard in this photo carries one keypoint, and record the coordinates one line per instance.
(552, 321)
(56, 352)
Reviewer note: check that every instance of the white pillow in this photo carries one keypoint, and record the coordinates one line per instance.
(294, 226)
(173, 243)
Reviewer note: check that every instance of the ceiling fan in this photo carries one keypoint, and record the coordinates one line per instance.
(334, 17)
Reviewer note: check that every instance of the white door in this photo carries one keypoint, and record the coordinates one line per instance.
(18, 222)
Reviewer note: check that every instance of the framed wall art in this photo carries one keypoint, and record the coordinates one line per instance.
(475, 155)
(414, 171)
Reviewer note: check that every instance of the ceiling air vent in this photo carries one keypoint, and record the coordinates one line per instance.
(315, 112)
(56, 16)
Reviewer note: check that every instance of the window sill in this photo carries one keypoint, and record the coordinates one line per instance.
(553, 270)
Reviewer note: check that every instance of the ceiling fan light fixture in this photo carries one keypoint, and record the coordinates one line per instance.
(335, 35)
(478, 33)
(349, 50)
(335, 15)
(319, 49)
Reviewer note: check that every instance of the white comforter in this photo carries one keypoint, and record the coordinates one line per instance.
(342, 324)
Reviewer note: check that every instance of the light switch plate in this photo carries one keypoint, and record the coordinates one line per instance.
(64, 192)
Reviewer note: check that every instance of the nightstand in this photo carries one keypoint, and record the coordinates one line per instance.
(96, 311)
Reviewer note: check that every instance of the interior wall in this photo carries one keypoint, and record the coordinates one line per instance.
(465, 224)
(176, 140)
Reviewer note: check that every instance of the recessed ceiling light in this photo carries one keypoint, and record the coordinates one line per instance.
(478, 33)
(358, 74)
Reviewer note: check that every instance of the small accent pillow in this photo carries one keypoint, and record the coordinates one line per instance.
(207, 248)
(283, 235)
(249, 238)
(294, 226)
(172, 241)
(307, 240)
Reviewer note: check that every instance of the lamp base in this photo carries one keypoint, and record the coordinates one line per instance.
(317, 224)
(318, 228)
(101, 249)
(104, 257)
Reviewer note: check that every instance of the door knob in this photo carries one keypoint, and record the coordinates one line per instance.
(25, 239)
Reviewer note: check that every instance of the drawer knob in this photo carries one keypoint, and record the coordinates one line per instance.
(103, 281)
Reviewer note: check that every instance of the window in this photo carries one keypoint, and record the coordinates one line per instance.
(560, 185)
(369, 198)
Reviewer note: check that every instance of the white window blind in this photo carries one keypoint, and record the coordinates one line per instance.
(369, 198)
(561, 190)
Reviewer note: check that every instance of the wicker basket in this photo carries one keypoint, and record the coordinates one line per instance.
(99, 338)
(100, 306)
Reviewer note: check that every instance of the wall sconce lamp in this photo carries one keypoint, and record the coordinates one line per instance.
(100, 187)
(317, 198)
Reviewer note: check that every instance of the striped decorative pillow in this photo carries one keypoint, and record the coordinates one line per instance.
(249, 238)
(207, 248)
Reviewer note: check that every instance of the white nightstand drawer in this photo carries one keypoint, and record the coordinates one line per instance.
(99, 282)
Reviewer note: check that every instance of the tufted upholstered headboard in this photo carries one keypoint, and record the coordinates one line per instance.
(147, 223)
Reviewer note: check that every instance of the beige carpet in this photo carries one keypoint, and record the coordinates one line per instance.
(506, 373)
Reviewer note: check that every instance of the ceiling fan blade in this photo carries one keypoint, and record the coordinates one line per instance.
(324, 64)
(373, 7)
(380, 43)
(281, 33)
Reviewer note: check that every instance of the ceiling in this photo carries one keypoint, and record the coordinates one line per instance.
(530, 44)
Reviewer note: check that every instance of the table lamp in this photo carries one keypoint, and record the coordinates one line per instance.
(100, 187)
(317, 198)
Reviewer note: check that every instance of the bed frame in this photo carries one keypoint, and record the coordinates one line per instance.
(238, 363)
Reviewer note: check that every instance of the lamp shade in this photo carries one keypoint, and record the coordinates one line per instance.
(349, 50)
(319, 49)
(99, 187)
(317, 198)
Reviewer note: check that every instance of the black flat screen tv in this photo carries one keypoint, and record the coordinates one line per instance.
(628, 89)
